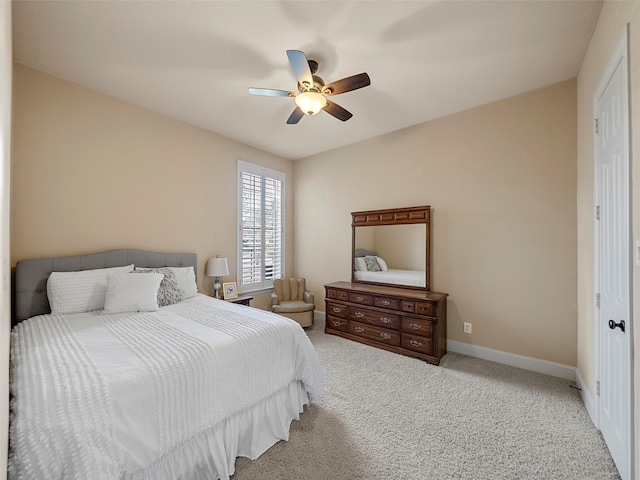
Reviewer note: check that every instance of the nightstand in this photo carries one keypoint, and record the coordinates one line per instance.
(242, 299)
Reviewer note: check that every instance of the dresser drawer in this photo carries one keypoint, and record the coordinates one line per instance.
(426, 309)
(337, 310)
(421, 308)
(337, 294)
(386, 302)
(417, 343)
(417, 326)
(361, 298)
(374, 318)
(374, 333)
(337, 323)
(408, 306)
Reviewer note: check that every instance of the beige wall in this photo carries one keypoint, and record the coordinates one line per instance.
(501, 180)
(613, 17)
(91, 173)
(401, 246)
(5, 256)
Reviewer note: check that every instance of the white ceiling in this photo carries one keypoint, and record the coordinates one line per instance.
(194, 60)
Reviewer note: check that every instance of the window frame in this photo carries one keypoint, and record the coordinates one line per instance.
(263, 172)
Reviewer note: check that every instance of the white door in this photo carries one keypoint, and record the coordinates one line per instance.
(614, 369)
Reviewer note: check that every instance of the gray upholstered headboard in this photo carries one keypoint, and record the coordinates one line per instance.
(31, 275)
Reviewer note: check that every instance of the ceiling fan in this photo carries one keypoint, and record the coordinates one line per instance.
(312, 92)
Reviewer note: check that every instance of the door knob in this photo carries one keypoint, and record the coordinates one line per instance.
(613, 325)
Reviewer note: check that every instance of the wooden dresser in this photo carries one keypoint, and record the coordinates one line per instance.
(406, 321)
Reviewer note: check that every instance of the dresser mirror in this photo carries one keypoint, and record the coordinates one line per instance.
(391, 247)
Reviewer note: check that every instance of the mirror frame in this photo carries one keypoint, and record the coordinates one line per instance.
(393, 216)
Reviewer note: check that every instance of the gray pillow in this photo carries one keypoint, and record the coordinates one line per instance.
(363, 252)
(169, 291)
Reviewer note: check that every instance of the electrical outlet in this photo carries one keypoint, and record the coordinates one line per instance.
(467, 327)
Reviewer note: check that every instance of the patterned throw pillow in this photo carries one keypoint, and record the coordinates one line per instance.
(169, 291)
(372, 264)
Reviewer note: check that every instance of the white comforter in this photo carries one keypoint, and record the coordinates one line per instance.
(414, 278)
(176, 393)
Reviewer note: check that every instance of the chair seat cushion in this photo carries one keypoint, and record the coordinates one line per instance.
(292, 307)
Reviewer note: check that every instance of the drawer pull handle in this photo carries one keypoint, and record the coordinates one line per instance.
(359, 329)
(336, 309)
(359, 298)
(336, 323)
(415, 343)
(385, 320)
(415, 326)
(385, 302)
(358, 314)
(386, 336)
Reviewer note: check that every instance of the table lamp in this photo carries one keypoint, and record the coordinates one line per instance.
(217, 267)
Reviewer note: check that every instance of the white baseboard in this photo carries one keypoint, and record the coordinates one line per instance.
(514, 360)
(526, 363)
(588, 398)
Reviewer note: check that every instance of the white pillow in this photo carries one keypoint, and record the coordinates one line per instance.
(360, 266)
(186, 278)
(382, 263)
(128, 292)
(76, 292)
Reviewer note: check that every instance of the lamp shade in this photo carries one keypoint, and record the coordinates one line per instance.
(217, 267)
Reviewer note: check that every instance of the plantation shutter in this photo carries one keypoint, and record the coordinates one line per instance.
(260, 221)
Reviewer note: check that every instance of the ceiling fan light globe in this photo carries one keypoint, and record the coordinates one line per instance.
(310, 102)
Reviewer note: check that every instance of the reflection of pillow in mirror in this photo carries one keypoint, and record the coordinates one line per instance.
(363, 252)
(382, 263)
(359, 264)
(372, 264)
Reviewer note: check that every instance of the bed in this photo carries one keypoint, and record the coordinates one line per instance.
(394, 276)
(176, 392)
(369, 267)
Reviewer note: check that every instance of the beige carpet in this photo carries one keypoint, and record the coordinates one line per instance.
(385, 416)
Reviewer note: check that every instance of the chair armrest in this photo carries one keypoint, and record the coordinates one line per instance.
(308, 297)
(274, 299)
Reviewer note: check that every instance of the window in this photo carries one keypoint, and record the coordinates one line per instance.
(260, 226)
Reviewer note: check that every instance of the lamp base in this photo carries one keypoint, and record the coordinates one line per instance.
(216, 288)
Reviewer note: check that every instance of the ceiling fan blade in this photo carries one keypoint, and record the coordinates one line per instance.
(270, 92)
(347, 84)
(300, 67)
(337, 111)
(295, 116)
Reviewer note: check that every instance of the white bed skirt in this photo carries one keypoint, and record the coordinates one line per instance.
(212, 454)
(178, 393)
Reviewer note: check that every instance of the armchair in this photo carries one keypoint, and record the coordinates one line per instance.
(291, 299)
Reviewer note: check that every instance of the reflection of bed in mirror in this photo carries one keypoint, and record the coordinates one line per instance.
(391, 247)
(411, 278)
(372, 266)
